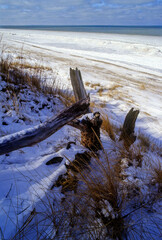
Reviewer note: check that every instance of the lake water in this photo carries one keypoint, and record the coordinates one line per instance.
(132, 30)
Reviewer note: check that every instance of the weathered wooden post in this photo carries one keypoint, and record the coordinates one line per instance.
(127, 133)
(90, 128)
(77, 84)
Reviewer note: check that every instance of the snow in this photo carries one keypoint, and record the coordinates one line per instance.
(133, 62)
(127, 68)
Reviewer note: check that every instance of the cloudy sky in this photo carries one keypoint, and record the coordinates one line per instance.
(80, 12)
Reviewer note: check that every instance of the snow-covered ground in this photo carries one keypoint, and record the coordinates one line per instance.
(119, 72)
(131, 63)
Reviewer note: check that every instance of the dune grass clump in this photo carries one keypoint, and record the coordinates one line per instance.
(93, 211)
(34, 76)
(25, 65)
(114, 87)
(145, 142)
(11, 73)
(100, 91)
(87, 84)
(95, 85)
(156, 171)
(104, 205)
(107, 127)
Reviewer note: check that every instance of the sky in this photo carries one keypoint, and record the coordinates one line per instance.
(80, 12)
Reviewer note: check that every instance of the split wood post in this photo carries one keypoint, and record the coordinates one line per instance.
(77, 84)
(127, 133)
(42, 131)
(90, 128)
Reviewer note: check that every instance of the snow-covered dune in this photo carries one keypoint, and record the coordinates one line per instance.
(119, 72)
(132, 62)
(127, 50)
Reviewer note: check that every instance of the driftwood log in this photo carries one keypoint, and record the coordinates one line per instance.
(127, 133)
(77, 84)
(42, 131)
(90, 128)
(90, 133)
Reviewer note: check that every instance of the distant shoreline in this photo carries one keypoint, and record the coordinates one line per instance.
(130, 30)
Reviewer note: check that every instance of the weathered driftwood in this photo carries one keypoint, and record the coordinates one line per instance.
(42, 131)
(90, 133)
(79, 93)
(77, 84)
(127, 133)
(90, 129)
(76, 124)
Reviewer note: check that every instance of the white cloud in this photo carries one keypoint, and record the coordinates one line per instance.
(128, 2)
(68, 12)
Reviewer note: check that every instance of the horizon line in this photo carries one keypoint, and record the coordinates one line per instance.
(50, 25)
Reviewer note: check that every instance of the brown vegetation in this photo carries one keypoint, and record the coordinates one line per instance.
(100, 207)
(107, 127)
(14, 72)
(157, 175)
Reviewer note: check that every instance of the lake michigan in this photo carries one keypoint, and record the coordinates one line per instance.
(130, 30)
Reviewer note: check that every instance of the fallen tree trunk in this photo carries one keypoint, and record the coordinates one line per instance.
(42, 131)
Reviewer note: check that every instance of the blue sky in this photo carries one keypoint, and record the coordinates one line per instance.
(80, 12)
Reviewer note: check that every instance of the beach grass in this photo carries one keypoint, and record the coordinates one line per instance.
(108, 198)
(34, 76)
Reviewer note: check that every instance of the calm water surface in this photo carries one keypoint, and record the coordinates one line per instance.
(149, 30)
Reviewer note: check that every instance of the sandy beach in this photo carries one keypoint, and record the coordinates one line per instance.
(120, 72)
(131, 62)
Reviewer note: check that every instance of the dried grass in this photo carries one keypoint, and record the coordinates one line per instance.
(142, 86)
(94, 85)
(14, 72)
(103, 104)
(107, 127)
(94, 210)
(95, 206)
(26, 65)
(101, 208)
(157, 175)
(87, 84)
(145, 142)
(114, 87)
(100, 91)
